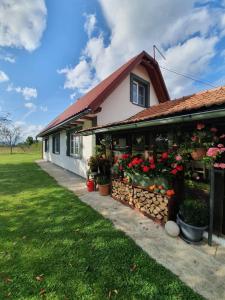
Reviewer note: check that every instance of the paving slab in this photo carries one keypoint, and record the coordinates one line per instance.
(200, 267)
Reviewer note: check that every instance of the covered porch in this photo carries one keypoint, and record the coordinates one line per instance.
(179, 135)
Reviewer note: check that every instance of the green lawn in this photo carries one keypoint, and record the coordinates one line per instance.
(53, 246)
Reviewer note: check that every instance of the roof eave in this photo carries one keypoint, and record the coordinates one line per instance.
(73, 118)
(218, 113)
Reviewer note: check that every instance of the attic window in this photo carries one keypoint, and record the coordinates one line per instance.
(139, 91)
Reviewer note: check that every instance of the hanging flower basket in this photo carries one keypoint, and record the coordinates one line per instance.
(198, 153)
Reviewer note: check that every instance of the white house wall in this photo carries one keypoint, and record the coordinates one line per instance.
(78, 166)
(117, 106)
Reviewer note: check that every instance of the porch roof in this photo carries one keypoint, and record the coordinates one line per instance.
(199, 103)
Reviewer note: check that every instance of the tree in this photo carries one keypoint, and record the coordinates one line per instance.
(29, 140)
(9, 134)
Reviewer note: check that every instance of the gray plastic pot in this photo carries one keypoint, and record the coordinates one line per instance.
(192, 234)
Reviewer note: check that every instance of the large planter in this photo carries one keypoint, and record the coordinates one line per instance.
(190, 233)
(198, 153)
(104, 189)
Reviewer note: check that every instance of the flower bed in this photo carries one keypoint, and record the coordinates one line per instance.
(151, 203)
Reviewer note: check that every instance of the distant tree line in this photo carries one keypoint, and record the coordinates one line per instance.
(10, 134)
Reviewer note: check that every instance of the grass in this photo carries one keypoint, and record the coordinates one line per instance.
(53, 246)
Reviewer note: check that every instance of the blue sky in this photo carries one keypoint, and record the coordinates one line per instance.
(51, 52)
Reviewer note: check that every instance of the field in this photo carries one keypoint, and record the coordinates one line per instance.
(35, 148)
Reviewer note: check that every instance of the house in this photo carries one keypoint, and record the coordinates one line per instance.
(133, 107)
(135, 86)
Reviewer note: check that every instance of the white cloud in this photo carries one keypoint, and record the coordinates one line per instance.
(26, 92)
(3, 76)
(90, 23)
(8, 58)
(44, 108)
(187, 34)
(28, 129)
(79, 77)
(31, 106)
(22, 23)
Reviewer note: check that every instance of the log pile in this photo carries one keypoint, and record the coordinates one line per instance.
(152, 204)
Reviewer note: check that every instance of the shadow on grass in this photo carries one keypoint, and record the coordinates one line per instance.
(45, 229)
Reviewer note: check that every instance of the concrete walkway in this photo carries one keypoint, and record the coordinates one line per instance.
(200, 267)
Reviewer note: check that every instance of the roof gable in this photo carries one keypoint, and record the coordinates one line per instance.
(95, 97)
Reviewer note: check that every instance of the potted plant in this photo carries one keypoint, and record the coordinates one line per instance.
(202, 138)
(93, 164)
(103, 185)
(193, 219)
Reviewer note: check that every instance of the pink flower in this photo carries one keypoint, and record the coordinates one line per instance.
(213, 152)
(194, 138)
(178, 157)
(213, 129)
(220, 145)
(219, 165)
(222, 136)
(200, 126)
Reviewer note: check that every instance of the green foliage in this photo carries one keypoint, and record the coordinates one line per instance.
(29, 140)
(93, 163)
(194, 212)
(105, 167)
(102, 180)
(52, 243)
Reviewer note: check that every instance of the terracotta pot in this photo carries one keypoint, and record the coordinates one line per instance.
(198, 153)
(103, 189)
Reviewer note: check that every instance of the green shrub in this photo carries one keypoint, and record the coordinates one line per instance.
(194, 212)
(102, 180)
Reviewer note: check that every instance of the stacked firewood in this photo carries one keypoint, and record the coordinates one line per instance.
(153, 204)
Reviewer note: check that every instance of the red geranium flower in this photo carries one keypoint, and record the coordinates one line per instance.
(125, 156)
(120, 168)
(152, 166)
(130, 165)
(145, 169)
(179, 168)
(165, 155)
(174, 171)
(151, 160)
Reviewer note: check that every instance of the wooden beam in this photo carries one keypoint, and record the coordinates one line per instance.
(77, 123)
(90, 118)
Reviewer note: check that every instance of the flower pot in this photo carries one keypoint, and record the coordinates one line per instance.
(190, 233)
(103, 189)
(198, 153)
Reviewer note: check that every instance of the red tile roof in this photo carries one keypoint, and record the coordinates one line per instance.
(94, 98)
(194, 102)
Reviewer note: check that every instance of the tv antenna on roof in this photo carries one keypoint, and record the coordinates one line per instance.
(155, 48)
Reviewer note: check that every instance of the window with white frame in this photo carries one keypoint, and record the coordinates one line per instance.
(139, 91)
(75, 145)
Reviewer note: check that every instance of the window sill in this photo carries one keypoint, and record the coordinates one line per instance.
(144, 106)
(75, 156)
(56, 153)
